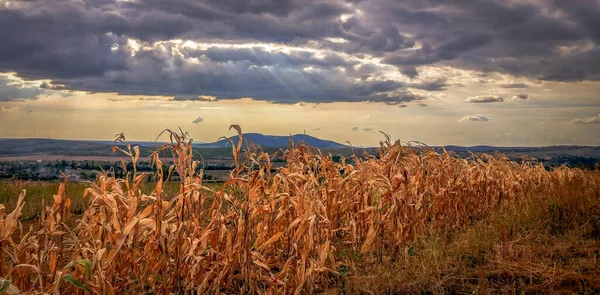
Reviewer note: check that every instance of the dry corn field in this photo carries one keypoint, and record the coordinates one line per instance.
(268, 232)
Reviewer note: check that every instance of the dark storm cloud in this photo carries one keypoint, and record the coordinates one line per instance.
(409, 71)
(57, 40)
(273, 21)
(403, 96)
(436, 84)
(278, 78)
(462, 45)
(84, 45)
(586, 12)
(189, 98)
(519, 38)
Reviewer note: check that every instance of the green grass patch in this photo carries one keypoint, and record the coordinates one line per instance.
(41, 192)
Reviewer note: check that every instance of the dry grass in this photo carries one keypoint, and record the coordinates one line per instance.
(41, 192)
(394, 223)
(540, 244)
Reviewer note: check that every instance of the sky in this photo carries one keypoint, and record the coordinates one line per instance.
(461, 72)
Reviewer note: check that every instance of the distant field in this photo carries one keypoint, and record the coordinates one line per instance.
(38, 191)
(47, 158)
(71, 150)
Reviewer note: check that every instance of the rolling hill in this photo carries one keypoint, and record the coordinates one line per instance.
(13, 147)
(275, 141)
(46, 146)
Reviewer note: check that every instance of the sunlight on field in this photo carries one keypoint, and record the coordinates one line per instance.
(407, 219)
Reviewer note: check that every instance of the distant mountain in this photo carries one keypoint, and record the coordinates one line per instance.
(551, 155)
(275, 141)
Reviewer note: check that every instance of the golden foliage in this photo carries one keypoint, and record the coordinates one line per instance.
(261, 232)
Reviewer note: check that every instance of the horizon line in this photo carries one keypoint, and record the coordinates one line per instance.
(345, 144)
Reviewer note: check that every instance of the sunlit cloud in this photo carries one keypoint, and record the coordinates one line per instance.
(520, 96)
(484, 99)
(4, 109)
(588, 120)
(474, 118)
